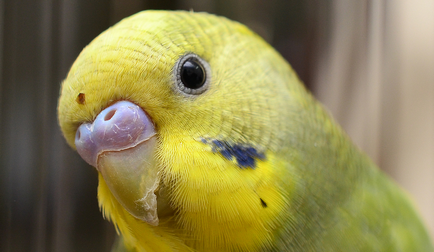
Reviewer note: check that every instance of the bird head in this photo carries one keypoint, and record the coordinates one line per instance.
(184, 116)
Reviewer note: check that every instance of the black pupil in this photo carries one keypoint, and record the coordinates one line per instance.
(192, 74)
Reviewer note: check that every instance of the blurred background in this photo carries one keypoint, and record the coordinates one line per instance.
(370, 62)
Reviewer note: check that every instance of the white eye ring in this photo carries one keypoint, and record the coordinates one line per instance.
(192, 74)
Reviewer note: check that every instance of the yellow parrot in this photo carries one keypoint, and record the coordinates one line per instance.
(205, 139)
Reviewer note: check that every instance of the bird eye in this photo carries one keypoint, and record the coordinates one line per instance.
(192, 74)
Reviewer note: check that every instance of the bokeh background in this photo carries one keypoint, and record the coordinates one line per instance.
(370, 62)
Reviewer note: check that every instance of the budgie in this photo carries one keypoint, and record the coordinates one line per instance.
(205, 139)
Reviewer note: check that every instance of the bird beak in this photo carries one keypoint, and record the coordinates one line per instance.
(120, 143)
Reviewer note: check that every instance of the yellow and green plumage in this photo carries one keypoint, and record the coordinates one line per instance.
(300, 184)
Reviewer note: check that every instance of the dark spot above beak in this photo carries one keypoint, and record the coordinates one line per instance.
(81, 98)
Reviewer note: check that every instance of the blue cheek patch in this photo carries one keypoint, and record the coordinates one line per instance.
(244, 155)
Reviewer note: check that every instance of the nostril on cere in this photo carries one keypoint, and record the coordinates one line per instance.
(109, 115)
